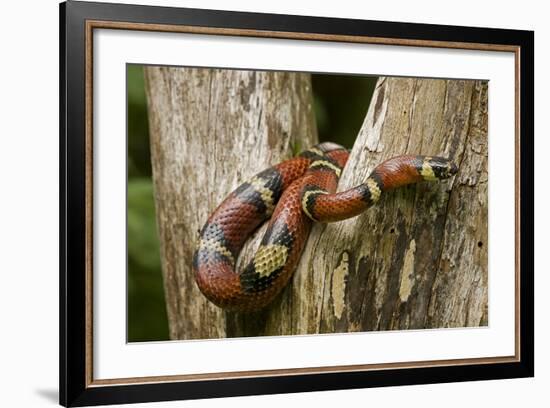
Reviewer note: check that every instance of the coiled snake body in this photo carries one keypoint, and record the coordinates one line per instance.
(293, 193)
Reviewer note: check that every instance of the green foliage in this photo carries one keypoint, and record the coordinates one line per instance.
(141, 225)
(146, 311)
(139, 161)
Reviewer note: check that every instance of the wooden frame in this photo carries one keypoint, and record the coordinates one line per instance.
(77, 22)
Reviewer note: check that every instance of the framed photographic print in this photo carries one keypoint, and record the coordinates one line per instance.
(256, 203)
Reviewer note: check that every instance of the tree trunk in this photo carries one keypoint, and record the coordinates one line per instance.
(210, 131)
(418, 259)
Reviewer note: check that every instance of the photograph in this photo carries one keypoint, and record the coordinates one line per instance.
(257, 203)
(274, 204)
(278, 203)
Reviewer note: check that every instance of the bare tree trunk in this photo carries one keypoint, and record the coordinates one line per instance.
(418, 259)
(210, 131)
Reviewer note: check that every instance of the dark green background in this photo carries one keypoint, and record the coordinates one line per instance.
(340, 102)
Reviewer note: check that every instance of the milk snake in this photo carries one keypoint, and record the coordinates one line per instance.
(292, 194)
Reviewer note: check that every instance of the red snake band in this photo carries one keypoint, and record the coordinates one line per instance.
(291, 195)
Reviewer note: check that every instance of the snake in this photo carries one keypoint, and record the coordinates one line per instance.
(290, 196)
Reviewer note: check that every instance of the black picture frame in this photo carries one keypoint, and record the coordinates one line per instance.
(76, 385)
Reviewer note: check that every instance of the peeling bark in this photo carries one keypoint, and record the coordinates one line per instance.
(418, 259)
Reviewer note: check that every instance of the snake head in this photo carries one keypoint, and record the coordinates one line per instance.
(440, 167)
(436, 168)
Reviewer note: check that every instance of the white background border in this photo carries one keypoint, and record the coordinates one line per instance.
(29, 352)
(113, 358)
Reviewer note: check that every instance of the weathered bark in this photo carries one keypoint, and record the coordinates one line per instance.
(210, 131)
(418, 259)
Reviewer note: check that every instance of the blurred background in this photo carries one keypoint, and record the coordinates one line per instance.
(340, 103)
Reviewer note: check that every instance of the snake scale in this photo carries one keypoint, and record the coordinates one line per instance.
(292, 194)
